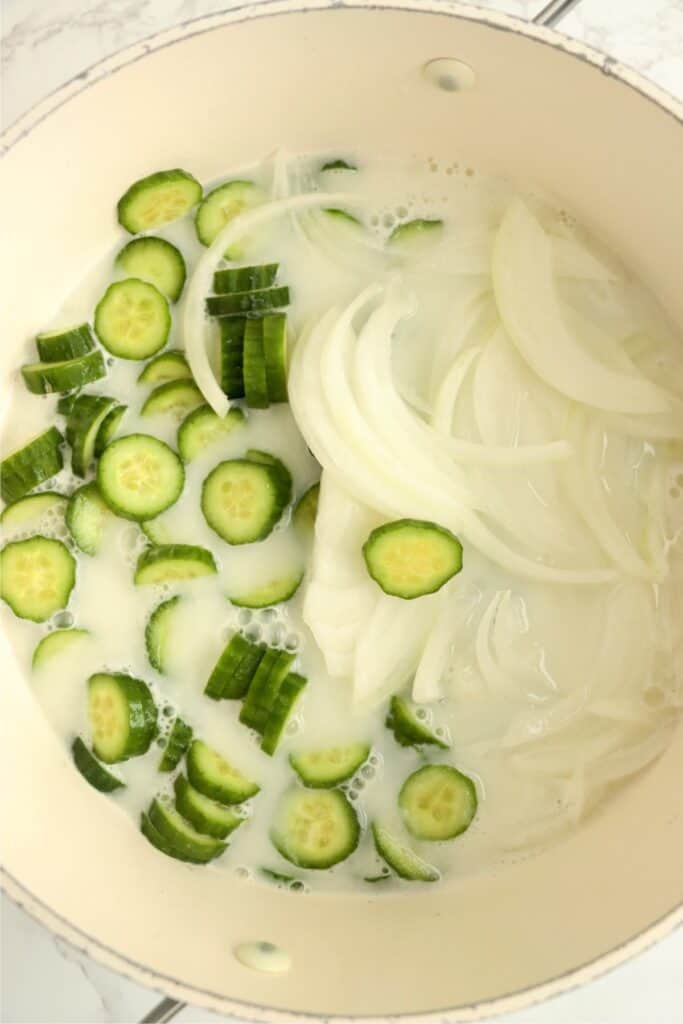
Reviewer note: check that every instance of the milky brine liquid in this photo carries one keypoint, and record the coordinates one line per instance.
(580, 672)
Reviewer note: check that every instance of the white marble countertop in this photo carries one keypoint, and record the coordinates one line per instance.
(46, 42)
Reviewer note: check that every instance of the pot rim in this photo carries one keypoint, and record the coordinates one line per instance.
(62, 928)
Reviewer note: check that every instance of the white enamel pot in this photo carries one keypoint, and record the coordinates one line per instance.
(311, 76)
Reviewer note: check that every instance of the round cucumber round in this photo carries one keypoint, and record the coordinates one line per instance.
(36, 577)
(221, 205)
(203, 428)
(132, 319)
(328, 767)
(157, 261)
(157, 199)
(315, 829)
(122, 715)
(169, 563)
(437, 802)
(139, 476)
(409, 558)
(243, 500)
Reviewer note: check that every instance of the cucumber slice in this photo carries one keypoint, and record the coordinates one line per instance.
(408, 729)
(220, 206)
(178, 397)
(241, 303)
(416, 233)
(323, 769)
(203, 428)
(157, 261)
(263, 692)
(212, 776)
(342, 217)
(338, 165)
(177, 743)
(36, 577)
(86, 518)
(410, 557)
(266, 595)
(157, 199)
(158, 633)
(30, 511)
(109, 428)
(91, 769)
(132, 319)
(32, 464)
(140, 476)
(65, 403)
(170, 563)
(52, 645)
(243, 500)
(274, 335)
(401, 859)
(122, 715)
(50, 378)
(159, 842)
(287, 696)
(254, 366)
(280, 879)
(305, 512)
(157, 531)
(181, 836)
(65, 343)
(171, 365)
(315, 829)
(244, 279)
(85, 420)
(205, 815)
(232, 356)
(437, 802)
(235, 669)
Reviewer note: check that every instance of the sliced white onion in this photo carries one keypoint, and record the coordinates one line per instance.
(195, 321)
(528, 305)
(573, 259)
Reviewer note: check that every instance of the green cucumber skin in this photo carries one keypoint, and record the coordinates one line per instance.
(125, 206)
(170, 365)
(174, 553)
(178, 741)
(254, 366)
(133, 260)
(59, 346)
(306, 510)
(274, 334)
(91, 769)
(221, 678)
(287, 697)
(142, 715)
(55, 378)
(402, 860)
(219, 823)
(224, 792)
(338, 165)
(84, 422)
(204, 847)
(244, 279)
(239, 303)
(87, 494)
(240, 681)
(28, 467)
(153, 836)
(232, 355)
(108, 428)
(407, 729)
(264, 689)
(154, 653)
(415, 229)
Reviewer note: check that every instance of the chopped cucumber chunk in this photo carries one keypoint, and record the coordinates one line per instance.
(221, 205)
(86, 517)
(157, 199)
(54, 644)
(232, 355)
(109, 428)
(158, 633)
(437, 802)
(132, 319)
(244, 279)
(140, 476)
(203, 428)
(171, 365)
(287, 696)
(315, 829)
(266, 595)
(264, 689)
(306, 510)
(233, 672)
(181, 835)
(122, 715)
(328, 767)
(243, 500)
(50, 378)
(172, 563)
(211, 775)
(36, 577)
(416, 233)
(157, 531)
(274, 336)
(159, 842)
(157, 261)
(85, 420)
(178, 397)
(30, 465)
(254, 366)
(409, 557)
(205, 815)
(243, 303)
(408, 729)
(32, 510)
(91, 769)
(401, 859)
(177, 743)
(65, 343)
